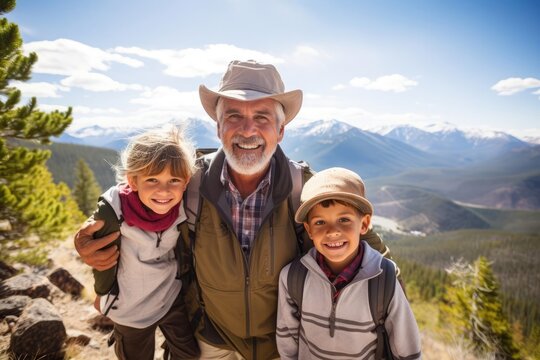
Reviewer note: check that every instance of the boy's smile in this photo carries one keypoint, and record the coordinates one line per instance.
(335, 231)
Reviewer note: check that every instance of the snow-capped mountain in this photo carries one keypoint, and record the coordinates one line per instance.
(333, 143)
(465, 146)
(202, 133)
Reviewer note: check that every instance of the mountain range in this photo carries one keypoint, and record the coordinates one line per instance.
(464, 146)
(426, 179)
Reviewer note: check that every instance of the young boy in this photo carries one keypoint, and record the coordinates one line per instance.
(335, 320)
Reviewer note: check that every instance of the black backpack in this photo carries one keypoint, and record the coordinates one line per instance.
(381, 291)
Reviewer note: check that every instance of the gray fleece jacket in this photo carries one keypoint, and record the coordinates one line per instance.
(350, 316)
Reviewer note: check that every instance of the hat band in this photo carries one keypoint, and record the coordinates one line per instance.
(246, 86)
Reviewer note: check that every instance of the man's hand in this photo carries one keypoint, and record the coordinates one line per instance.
(89, 248)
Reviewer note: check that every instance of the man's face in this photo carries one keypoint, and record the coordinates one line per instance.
(250, 133)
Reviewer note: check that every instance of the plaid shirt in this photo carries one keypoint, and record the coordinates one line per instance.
(346, 275)
(246, 213)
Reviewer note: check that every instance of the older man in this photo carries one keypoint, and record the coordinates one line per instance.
(245, 231)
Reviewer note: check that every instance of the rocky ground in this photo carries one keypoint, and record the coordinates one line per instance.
(78, 314)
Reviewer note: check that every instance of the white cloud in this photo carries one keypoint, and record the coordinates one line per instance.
(195, 62)
(304, 51)
(362, 82)
(51, 107)
(38, 89)
(170, 100)
(80, 110)
(68, 57)
(97, 82)
(394, 82)
(514, 85)
(85, 110)
(338, 87)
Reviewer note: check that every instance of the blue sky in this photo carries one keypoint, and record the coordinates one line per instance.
(369, 63)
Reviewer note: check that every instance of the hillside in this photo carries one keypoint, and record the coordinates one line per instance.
(65, 156)
(416, 209)
(420, 210)
(512, 255)
(511, 181)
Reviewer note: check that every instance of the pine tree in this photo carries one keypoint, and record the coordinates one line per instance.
(45, 207)
(473, 306)
(86, 190)
(18, 164)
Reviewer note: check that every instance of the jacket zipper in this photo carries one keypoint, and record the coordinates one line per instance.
(158, 241)
(332, 319)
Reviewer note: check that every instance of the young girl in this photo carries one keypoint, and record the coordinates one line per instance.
(143, 291)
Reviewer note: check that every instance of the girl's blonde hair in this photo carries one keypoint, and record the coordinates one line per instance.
(151, 152)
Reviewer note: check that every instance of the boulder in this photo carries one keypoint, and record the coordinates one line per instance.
(39, 333)
(25, 284)
(77, 337)
(66, 282)
(13, 305)
(6, 271)
(5, 226)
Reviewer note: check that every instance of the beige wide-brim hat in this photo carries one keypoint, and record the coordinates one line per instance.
(333, 184)
(250, 80)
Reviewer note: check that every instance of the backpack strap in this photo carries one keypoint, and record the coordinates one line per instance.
(300, 173)
(192, 196)
(380, 293)
(296, 277)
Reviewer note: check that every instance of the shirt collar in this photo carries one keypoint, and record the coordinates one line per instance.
(346, 274)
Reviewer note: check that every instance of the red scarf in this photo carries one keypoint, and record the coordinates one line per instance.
(137, 214)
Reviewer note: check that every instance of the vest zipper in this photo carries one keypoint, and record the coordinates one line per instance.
(246, 295)
(272, 250)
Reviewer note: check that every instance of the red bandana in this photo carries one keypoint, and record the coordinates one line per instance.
(139, 215)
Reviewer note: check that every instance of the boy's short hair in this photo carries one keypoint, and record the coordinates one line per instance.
(336, 184)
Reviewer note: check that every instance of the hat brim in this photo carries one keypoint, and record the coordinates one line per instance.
(359, 202)
(291, 100)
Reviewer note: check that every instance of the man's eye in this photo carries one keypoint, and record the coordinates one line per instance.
(261, 119)
(234, 117)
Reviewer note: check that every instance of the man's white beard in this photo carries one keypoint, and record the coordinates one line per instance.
(248, 164)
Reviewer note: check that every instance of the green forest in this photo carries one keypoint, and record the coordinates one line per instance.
(425, 261)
